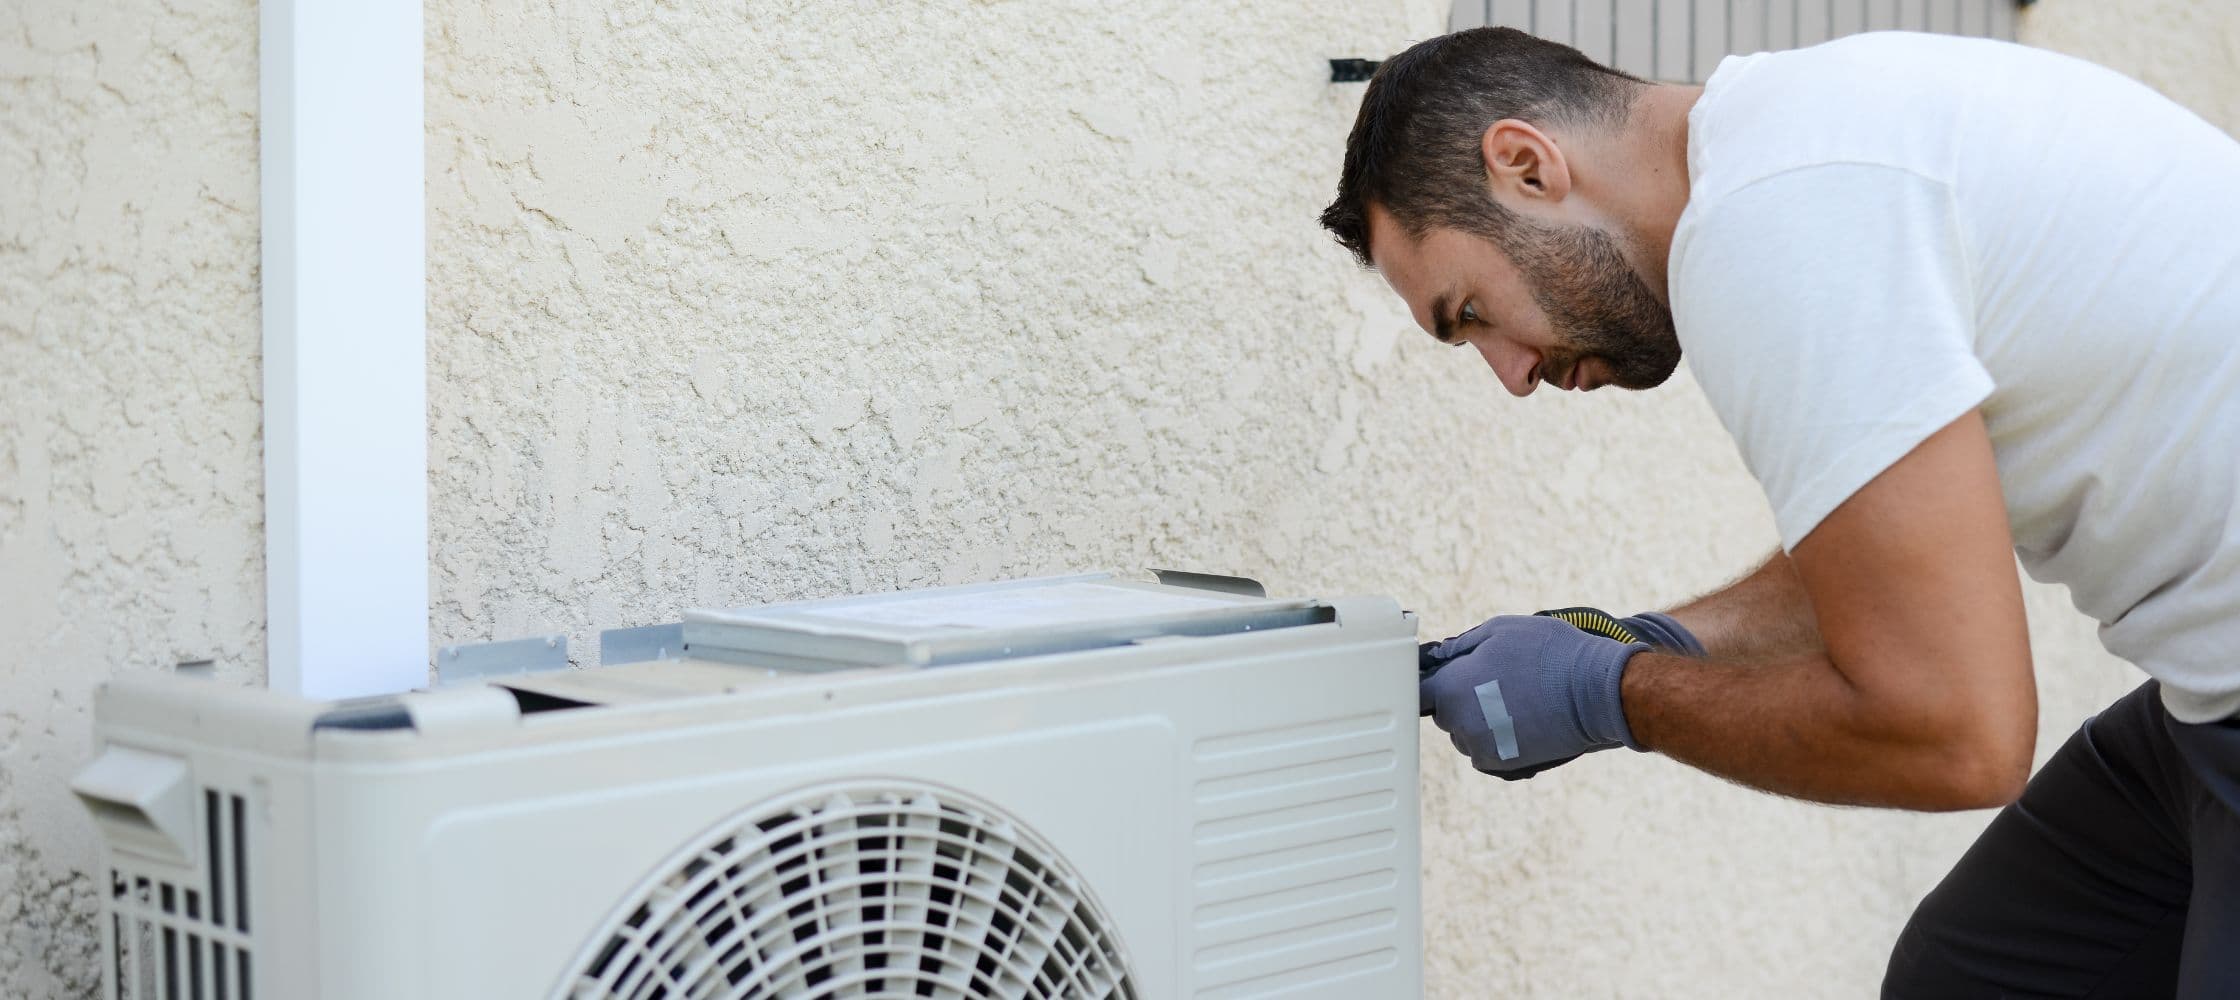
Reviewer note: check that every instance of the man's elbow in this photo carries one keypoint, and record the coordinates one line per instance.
(1985, 778)
(1982, 763)
(1977, 757)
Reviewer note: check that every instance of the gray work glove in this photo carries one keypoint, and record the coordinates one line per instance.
(1524, 693)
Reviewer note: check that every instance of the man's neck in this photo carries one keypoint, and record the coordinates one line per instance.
(1653, 158)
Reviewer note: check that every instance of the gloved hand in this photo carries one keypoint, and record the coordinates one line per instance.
(1524, 693)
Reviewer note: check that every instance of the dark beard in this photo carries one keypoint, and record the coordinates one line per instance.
(1597, 306)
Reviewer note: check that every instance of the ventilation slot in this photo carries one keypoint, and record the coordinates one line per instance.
(171, 942)
(858, 891)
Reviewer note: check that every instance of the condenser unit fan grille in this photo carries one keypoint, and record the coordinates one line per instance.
(859, 891)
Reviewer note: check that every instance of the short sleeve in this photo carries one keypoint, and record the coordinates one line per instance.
(1828, 314)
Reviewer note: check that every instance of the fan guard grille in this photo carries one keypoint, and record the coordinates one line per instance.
(859, 890)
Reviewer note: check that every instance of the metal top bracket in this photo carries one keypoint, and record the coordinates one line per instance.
(474, 661)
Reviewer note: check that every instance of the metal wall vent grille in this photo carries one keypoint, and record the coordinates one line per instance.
(170, 942)
(1683, 40)
(858, 891)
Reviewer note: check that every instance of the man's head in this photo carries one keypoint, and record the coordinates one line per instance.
(1461, 185)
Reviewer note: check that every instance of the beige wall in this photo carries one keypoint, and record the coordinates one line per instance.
(809, 298)
(130, 482)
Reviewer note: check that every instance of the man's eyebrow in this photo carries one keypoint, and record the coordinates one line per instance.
(1441, 327)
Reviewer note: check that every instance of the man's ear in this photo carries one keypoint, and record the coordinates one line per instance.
(1523, 164)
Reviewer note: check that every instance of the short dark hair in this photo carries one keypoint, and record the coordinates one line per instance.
(1415, 144)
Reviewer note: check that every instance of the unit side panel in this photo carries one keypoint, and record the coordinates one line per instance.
(239, 917)
(1303, 826)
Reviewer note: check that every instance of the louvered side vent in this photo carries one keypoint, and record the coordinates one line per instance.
(1296, 841)
(858, 891)
(175, 942)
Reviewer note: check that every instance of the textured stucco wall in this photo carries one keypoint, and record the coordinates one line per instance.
(2188, 49)
(130, 477)
(733, 303)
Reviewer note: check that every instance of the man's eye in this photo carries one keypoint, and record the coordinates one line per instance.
(1469, 313)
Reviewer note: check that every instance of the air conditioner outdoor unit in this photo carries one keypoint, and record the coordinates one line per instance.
(1082, 788)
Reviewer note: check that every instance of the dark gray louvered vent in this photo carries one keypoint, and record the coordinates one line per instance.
(1683, 40)
(870, 890)
(169, 941)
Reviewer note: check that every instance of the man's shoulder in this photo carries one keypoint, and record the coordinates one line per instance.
(1903, 100)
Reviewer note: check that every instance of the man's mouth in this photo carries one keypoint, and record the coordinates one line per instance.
(1571, 378)
(1575, 378)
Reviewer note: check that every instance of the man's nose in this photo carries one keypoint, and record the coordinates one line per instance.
(1511, 363)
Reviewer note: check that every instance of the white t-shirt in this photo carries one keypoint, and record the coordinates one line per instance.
(1890, 229)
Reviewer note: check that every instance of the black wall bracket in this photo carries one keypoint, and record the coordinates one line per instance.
(1352, 70)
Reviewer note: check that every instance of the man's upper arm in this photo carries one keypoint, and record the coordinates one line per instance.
(1913, 582)
(1828, 313)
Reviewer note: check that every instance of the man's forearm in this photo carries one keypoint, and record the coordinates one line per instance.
(1918, 689)
(1763, 616)
(1797, 727)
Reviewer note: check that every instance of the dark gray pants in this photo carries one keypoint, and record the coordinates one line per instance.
(2117, 874)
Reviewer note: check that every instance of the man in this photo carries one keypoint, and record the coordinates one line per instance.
(1956, 300)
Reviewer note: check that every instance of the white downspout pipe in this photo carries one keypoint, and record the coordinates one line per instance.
(345, 353)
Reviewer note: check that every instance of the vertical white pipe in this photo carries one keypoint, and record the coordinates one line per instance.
(345, 356)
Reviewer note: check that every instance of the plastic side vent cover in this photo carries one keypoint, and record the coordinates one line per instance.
(143, 802)
(858, 890)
